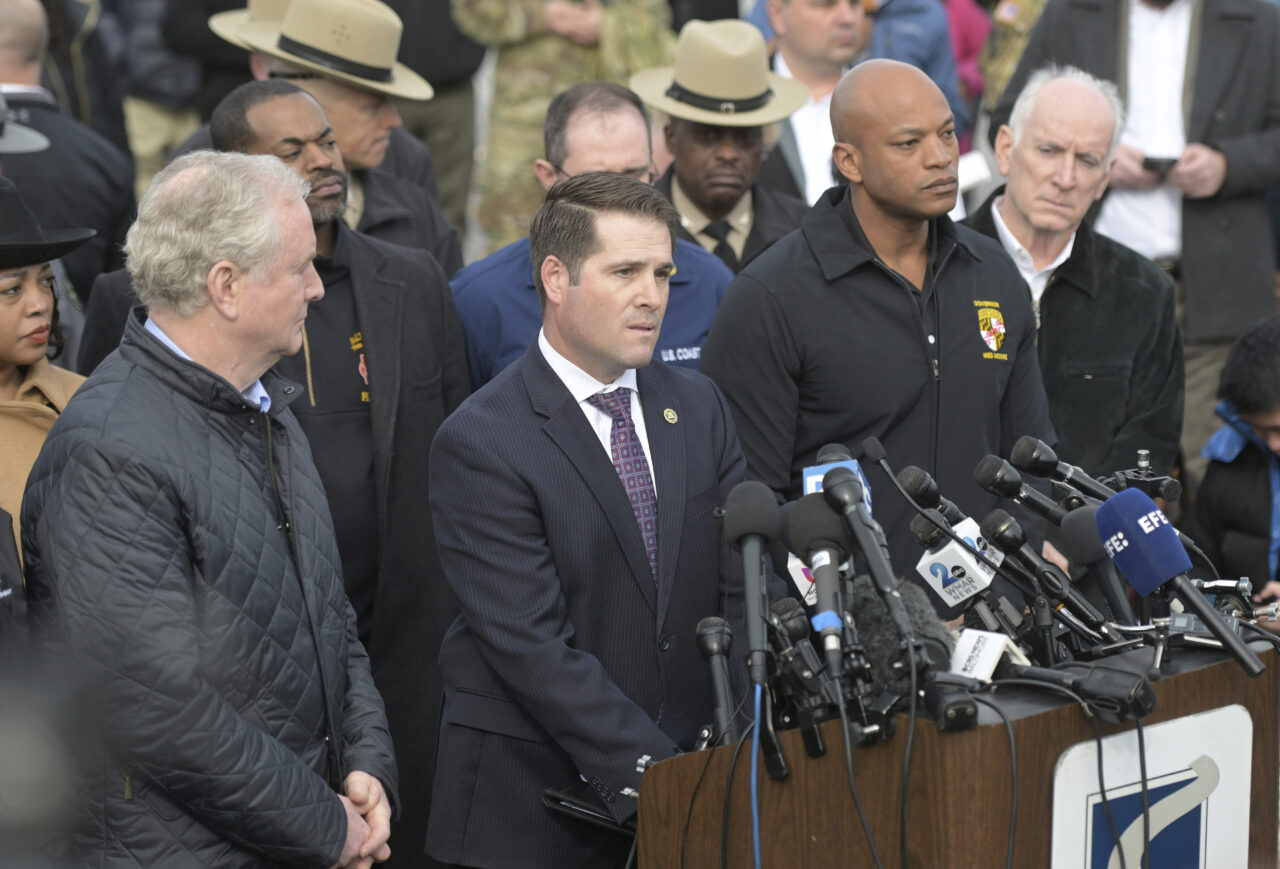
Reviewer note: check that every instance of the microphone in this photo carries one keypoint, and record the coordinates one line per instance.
(714, 641)
(1033, 456)
(921, 488)
(832, 456)
(880, 634)
(751, 525)
(952, 569)
(1114, 694)
(795, 652)
(1000, 478)
(1005, 532)
(822, 540)
(956, 560)
(1142, 543)
(802, 682)
(1082, 545)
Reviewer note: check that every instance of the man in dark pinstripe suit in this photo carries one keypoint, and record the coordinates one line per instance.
(572, 499)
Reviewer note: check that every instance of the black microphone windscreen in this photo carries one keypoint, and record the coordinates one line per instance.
(1079, 540)
(873, 450)
(997, 520)
(993, 472)
(880, 636)
(1034, 456)
(928, 533)
(750, 509)
(833, 453)
(790, 613)
(784, 607)
(714, 636)
(815, 525)
(919, 485)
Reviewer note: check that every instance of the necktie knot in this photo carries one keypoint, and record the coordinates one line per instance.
(616, 403)
(719, 230)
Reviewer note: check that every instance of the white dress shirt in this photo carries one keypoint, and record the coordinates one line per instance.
(811, 125)
(1037, 279)
(1150, 221)
(582, 386)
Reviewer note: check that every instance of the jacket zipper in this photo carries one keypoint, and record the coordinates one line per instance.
(282, 523)
(282, 520)
(128, 783)
(306, 361)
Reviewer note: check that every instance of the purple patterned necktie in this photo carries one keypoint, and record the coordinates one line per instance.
(632, 467)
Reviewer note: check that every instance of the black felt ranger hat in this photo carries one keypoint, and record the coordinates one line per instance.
(23, 242)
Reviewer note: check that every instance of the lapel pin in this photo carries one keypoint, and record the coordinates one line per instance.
(670, 416)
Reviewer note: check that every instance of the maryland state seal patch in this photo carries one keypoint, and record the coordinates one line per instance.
(991, 325)
(991, 328)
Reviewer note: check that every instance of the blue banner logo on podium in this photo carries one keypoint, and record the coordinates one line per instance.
(1198, 778)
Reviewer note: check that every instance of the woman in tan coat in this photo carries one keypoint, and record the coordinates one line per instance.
(32, 391)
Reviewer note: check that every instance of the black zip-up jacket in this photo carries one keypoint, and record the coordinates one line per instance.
(1110, 353)
(181, 561)
(817, 341)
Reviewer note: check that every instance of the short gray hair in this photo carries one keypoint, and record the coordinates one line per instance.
(203, 208)
(1036, 83)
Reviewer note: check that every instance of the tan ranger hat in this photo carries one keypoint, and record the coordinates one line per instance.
(721, 77)
(353, 41)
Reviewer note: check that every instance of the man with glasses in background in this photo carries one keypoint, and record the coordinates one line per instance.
(591, 127)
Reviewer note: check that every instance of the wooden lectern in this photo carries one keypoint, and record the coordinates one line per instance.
(960, 787)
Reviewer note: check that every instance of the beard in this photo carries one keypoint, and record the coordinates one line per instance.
(329, 208)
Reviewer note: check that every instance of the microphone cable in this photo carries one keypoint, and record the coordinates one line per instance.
(688, 818)
(1097, 738)
(853, 787)
(1013, 767)
(906, 754)
(728, 787)
(755, 775)
(1146, 796)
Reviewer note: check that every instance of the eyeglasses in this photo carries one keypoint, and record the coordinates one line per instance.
(640, 173)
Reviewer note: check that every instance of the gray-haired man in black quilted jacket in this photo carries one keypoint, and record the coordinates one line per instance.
(181, 559)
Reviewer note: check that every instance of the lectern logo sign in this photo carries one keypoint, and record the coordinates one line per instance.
(1199, 771)
(1176, 820)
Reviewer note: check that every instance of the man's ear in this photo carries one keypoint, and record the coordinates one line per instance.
(848, 161)
(225, 286)
(545, 173)
(555, 280)
(1004, 149)
(774, 10)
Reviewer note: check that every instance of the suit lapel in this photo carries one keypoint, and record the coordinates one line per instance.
(667, 463)
(379, 311)
(1225, 27)
(568, 429)
(790, 151)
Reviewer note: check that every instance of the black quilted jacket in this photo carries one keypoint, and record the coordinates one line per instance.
(181, 560)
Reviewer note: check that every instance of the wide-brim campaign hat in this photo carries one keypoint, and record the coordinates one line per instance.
(23, 241)
(353, 41)
(261, 14)
(16, 138)
(721, 77)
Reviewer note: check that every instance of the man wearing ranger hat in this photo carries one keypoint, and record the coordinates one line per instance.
(343, 52)
(719, 95)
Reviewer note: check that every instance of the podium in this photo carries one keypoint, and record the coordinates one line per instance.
(960, 786)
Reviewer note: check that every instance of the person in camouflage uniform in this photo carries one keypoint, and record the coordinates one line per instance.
(1011, 24)
(543, 47)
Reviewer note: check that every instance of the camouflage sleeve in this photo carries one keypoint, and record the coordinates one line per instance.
(500, 22)
(636, 35)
